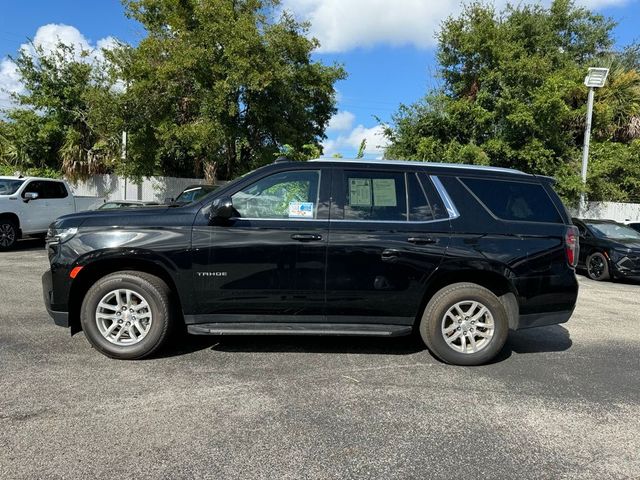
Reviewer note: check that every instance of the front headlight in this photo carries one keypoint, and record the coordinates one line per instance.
(60, 235)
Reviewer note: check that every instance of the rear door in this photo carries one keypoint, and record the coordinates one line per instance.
(389, 231)
(58, 200)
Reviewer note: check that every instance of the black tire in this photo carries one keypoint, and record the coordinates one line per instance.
(598, 267)
(431, 324)
(8, 234)
(149, 287)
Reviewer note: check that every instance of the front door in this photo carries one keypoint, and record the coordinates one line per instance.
(388, 234)
(53, 201)
(268, 262)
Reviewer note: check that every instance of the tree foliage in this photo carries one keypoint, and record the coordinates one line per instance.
(221, 81)
(214, 88)
(59, 121)
(512, 95)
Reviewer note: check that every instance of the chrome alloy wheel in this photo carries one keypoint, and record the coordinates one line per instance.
(7, 234)
(123, 317)
(468, 326)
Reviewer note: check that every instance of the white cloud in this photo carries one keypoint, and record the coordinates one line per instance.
(9, 82)
(342, 25)
(341, 122)
(48, 37)
(376, 141)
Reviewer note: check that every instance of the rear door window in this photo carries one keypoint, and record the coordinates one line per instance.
(55, 190)
(374, 196)
(424, 202)
(519, 201)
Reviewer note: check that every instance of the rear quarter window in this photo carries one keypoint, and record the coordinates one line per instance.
(515, 201)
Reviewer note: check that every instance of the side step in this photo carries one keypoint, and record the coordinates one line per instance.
(356, 329)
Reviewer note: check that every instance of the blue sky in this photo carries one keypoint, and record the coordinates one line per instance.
(387, 47)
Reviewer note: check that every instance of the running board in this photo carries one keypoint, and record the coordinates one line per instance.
(356, 329)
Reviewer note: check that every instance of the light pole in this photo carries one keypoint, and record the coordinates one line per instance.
(123, 156)
(596, 77)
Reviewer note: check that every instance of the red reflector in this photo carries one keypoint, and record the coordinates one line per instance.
(74, 273)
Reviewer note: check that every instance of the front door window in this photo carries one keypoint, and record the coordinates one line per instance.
(284, 195)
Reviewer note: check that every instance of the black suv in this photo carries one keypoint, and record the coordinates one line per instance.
(332, 247)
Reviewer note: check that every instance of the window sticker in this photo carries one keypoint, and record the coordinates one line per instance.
(360, 192)
(384, 192)
(300, 209)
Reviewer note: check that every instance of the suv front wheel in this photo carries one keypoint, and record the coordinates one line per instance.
(127, 315)
(464, 324)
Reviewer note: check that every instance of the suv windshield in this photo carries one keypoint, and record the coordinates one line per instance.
(614, 230)
(192, 194)
(9, 186)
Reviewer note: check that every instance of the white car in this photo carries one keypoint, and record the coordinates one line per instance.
(28, 205)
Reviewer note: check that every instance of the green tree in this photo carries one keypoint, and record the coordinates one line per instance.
(220, 82)
(512, 96)
(58, 121)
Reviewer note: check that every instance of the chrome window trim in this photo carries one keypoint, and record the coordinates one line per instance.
(448, 203)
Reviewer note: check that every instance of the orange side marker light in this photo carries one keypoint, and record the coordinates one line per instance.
(74, 273)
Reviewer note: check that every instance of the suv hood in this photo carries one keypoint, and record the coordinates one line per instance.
(630, 245)
(125, 217)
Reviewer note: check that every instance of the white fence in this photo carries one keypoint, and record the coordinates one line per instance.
(151, 189)
(619, 212)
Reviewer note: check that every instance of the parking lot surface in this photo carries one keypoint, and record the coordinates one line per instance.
(559, 402)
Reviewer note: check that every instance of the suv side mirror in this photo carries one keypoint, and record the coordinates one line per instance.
(28, 196)
(222, 209)
(169, 200)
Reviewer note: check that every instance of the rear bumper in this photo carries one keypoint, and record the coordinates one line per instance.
(543, 319)
(59, 318)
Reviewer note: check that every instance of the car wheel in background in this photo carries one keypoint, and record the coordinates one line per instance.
(464, 324)
(8, 234)
(597, 267)
(127, 315)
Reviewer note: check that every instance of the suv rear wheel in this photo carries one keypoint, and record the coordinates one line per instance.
(8, 234)
(127, 315)
(464, 324)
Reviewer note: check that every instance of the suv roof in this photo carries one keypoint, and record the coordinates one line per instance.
(13, 177)
(452, 166)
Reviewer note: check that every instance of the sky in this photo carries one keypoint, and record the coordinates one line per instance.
(386, 46)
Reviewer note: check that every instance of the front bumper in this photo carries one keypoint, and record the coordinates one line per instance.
(59, 318)
(626, 265)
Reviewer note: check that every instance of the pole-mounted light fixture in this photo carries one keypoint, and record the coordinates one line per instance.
(596, 78)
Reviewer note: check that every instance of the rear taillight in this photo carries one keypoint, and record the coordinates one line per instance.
(571, 245)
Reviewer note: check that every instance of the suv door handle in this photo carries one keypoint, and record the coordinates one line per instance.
(421, 240)
(306, 237)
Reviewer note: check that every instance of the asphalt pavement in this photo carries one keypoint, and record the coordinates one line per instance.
(559, 402)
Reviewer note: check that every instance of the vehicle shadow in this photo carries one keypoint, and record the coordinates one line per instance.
(295, 344)
(554, 338)
(28, 244)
